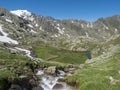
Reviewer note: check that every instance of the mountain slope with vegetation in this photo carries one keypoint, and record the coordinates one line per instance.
(91, 49)
(102, 72)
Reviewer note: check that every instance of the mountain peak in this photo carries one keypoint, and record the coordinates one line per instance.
(24, 14)
(21, 13)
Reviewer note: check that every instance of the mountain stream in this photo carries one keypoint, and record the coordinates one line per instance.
(51, 82)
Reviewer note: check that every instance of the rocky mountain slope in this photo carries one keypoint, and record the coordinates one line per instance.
(22, 24)
(27, 40)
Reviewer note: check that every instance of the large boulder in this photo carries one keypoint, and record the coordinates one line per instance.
(51, 70)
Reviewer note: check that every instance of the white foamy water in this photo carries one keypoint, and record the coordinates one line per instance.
(47, 82)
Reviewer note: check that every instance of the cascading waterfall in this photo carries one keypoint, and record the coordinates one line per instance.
(48, 82)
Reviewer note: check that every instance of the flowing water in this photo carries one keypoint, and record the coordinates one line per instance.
(50, 82)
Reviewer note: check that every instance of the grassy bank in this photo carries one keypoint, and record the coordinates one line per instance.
(96, 77)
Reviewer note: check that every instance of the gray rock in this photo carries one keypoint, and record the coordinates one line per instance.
(51, 70)
(58, 86)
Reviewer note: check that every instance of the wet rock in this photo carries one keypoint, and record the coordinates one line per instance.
(61, 80)
(58, 86)
(15, 87)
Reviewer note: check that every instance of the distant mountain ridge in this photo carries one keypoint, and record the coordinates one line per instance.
(26, 27)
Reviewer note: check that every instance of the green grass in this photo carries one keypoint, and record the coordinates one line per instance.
(97, 77)
(63, 56)
(8, 59)
(4, 75)
(10, 62)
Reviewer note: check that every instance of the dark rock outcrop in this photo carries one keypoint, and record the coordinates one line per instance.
(22, 84)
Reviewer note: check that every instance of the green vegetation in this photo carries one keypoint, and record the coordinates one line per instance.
(64, 56)
(4, 75)
(9, 59)
(96, 77)
(9, 63)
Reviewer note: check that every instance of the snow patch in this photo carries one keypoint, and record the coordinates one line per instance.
(33, 31)
(21, 13)
(1, 30)
(30, 25)
(87, 35)
(24, 14)
(106, 27)
(27, 52)
(8, 20)
(61, 31)
(90, 25)
(82, 25)
(55, 35)
(58, 25)
(7, 40)
(5, 37)
(72, 21)
(36, 25)
(63, 28)
(41, 28)
(116, 29)
(68, 35)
